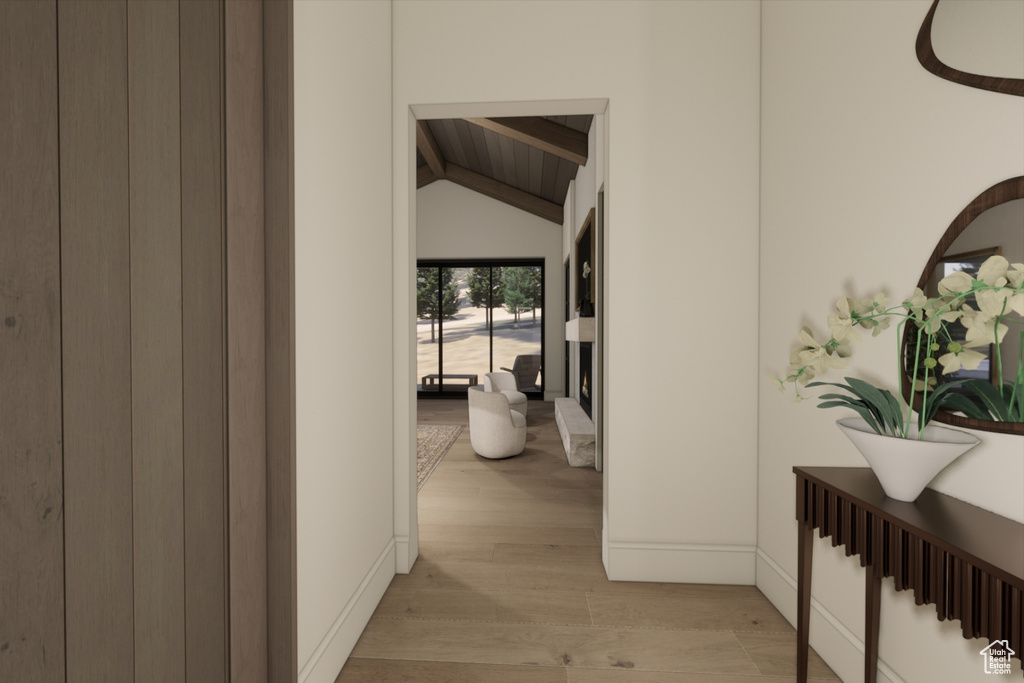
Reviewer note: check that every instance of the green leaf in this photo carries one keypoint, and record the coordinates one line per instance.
(966, 406)
(990, 396)
(945, 396)
(882, 401)
(871, 413)
(1013, 394)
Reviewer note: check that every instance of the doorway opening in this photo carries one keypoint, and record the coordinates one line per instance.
(517, 169)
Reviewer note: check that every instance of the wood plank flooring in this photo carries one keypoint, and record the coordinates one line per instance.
(509, 588)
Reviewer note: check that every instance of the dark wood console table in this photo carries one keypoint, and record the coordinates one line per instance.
(966, 561)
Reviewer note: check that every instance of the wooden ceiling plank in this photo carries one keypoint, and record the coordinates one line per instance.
(580, 122)
(459, 152)
(566, 172)
(549, 177)
(426, 144)
(496, 170)
(480, 147)
(504, 193)
(537, 131)
(536, 170)
(522, 154)
(442, 139)
(424, 176)
(469, 146)
(508, 159)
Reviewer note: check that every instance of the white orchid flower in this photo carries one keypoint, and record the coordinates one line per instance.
(993, 271)
(993, 302)
(919, 385)
(842, 325)
(958, 282)
(816, 357)
(843, 329)
(1000, 301)
(868, 307)
(982, 328)
(960, 357)
(586, 269)
(915, 303)
(1015, 275)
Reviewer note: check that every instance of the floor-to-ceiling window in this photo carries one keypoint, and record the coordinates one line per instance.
(479, 316)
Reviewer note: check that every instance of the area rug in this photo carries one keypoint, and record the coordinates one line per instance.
(432, 442)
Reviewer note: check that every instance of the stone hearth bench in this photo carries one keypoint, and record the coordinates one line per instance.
(577, 432)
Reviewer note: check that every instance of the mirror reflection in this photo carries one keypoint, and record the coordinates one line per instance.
(993, 224)
(982, 37)
(999, 230)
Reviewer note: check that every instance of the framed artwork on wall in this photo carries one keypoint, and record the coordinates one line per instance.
(586, 289)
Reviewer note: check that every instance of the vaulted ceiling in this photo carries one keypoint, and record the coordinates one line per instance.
(524, 161)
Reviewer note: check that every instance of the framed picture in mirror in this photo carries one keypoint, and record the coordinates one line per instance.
(970, 263)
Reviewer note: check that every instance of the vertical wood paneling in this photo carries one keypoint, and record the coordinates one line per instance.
(31, 506)
(279, 168)
(203, 373)
(247, 473)
(155, 237)
(96, 340)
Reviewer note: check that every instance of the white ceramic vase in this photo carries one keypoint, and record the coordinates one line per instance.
(905, 466)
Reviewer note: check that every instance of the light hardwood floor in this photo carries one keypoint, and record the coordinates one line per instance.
(509, 588)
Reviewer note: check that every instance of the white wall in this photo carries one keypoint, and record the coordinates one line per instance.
(344, 356)
(453, 222)
(681, 80)
(866, 159)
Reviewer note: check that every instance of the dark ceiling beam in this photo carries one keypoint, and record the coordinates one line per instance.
(431, 151)
(562, 141)
(504, 193)
(424, 176)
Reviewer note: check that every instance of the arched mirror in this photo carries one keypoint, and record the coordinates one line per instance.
(991, 224)
(978, 43)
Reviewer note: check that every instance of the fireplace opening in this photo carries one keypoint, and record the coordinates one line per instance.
(586, 375)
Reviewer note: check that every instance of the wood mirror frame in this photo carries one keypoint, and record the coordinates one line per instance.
(926, 55)
(1000, 193)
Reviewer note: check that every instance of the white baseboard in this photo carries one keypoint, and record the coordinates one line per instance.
(840, 647)
(681, 563)
(404, 557)
(330, 655)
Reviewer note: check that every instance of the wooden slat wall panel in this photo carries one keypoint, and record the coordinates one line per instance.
(282, 601)
(203, 372)
(247, 466)
(96, 340)
(126, 578)
(31, 516)
(155, 237)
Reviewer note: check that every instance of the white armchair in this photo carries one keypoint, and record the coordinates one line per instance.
(505, 383)
(495, 430)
